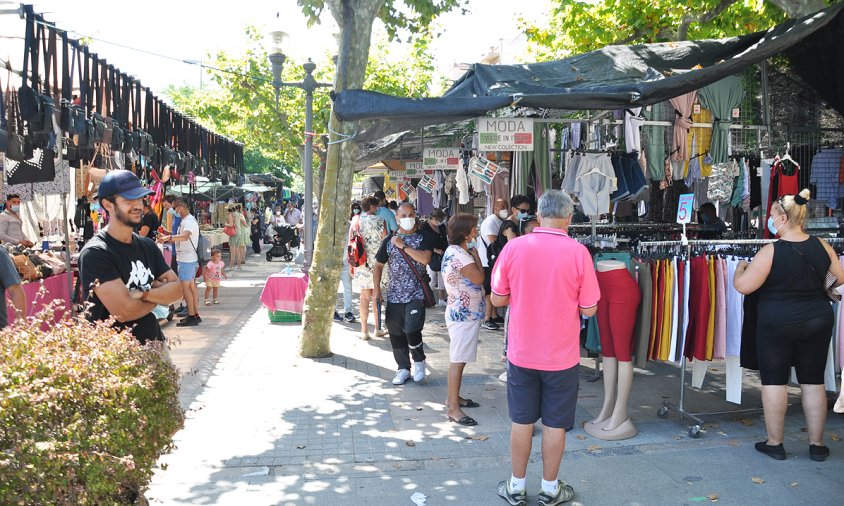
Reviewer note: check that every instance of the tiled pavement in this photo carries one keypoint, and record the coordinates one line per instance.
(266, 427)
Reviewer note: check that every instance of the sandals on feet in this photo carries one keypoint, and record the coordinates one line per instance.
(464, 420)
(216, 301)
(207, 302)
(469, 403)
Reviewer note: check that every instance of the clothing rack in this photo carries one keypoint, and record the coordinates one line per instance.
(680, 408)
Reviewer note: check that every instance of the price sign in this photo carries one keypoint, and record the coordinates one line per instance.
(684, 209)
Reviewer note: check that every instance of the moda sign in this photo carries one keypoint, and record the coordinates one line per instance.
(505, 134)
(441, 158)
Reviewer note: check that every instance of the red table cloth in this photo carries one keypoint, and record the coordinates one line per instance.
(55, 289)
(285, 292)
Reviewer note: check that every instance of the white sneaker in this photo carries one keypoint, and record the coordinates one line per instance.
(418, 371)
(401, 376)
(503, 377)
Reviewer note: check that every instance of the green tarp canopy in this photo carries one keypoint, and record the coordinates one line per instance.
(615, 77)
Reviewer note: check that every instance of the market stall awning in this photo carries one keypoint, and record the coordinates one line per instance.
(615, 77)
(256, 188)
(206, 191)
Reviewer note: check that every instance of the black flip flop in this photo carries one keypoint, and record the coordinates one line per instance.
(469, 403)
(464, 420)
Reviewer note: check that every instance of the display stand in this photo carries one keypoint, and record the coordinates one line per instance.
(680, 407)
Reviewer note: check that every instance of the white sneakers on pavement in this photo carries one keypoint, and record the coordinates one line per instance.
(401, 377)
(418, 371)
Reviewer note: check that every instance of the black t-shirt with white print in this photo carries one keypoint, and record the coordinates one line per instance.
(104, 259)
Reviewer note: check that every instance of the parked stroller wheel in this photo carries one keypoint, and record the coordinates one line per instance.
(288, 257)
(269, 257)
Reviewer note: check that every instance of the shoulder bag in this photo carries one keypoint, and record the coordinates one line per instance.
(424, 280)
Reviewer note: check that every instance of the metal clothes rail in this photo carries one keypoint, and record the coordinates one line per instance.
(680, 408)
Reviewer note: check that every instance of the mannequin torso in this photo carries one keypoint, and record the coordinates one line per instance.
(610, 265)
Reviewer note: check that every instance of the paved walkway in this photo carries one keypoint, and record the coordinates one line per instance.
(267, 427)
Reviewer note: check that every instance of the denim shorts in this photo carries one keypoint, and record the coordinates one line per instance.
(549, 395)
(187, 270)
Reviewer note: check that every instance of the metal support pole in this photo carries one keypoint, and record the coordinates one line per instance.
(309, 183)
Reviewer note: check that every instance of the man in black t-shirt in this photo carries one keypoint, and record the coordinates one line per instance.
(124, 275)
(149, 223)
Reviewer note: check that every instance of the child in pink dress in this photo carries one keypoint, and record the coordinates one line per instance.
(214, 269)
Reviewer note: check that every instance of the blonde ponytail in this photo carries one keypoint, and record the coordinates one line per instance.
(795, 207)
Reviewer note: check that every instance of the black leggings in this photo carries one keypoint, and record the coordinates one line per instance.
(802, 345)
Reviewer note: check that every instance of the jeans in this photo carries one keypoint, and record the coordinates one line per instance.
(346, 279)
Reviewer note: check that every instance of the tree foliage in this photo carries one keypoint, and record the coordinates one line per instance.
(240, 103)
(579, 26)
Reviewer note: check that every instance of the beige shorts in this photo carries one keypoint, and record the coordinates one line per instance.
(464, 341)
(210, 283)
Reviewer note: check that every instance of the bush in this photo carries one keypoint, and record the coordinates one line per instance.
(85, 412)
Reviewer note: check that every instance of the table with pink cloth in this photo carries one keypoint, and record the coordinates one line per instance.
(285, 292)
(55, 288)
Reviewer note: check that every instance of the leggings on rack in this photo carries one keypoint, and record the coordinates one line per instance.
(698, 309)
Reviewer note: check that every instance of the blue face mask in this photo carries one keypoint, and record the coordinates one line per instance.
(771, 227)
(472, 244)
(522, 215)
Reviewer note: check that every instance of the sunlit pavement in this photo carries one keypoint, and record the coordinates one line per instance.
(266, 427)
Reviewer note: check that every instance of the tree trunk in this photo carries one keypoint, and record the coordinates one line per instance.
(355, 18)
(799, 8)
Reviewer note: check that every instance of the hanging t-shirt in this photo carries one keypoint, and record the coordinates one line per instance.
(140, 263)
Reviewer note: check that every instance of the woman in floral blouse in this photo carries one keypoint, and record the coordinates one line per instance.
(464, 277)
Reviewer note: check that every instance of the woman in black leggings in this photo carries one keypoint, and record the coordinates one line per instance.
(795, 321)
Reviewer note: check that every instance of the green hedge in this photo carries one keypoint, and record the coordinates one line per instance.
(85, 412)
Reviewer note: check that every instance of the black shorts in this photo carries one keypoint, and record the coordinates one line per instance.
(487, 280)
(803, 346)
(549, 395)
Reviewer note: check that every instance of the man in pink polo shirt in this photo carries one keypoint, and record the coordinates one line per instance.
(548, 280)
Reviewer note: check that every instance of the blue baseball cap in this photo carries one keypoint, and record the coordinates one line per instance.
(123, 183)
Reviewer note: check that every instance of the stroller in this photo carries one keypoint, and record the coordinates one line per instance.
(283, 240)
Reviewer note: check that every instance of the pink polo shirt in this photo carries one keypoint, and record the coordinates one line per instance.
(548, 276)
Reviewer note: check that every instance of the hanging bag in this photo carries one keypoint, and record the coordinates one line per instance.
(19, 146)
(356, 249)
(424, 280)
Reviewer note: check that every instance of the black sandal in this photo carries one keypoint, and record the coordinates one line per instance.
(469, 403)
(464, 420)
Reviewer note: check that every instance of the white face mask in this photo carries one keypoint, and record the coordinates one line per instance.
(503, 214)
(407, 223)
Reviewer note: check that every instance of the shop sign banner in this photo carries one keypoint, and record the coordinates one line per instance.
(389, 193)
(414, 169)
(407, 187)
(428, 184)
(484, 170)
(505, 134)
(441, 158)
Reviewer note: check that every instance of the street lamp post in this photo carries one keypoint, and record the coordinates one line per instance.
(308, 85)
